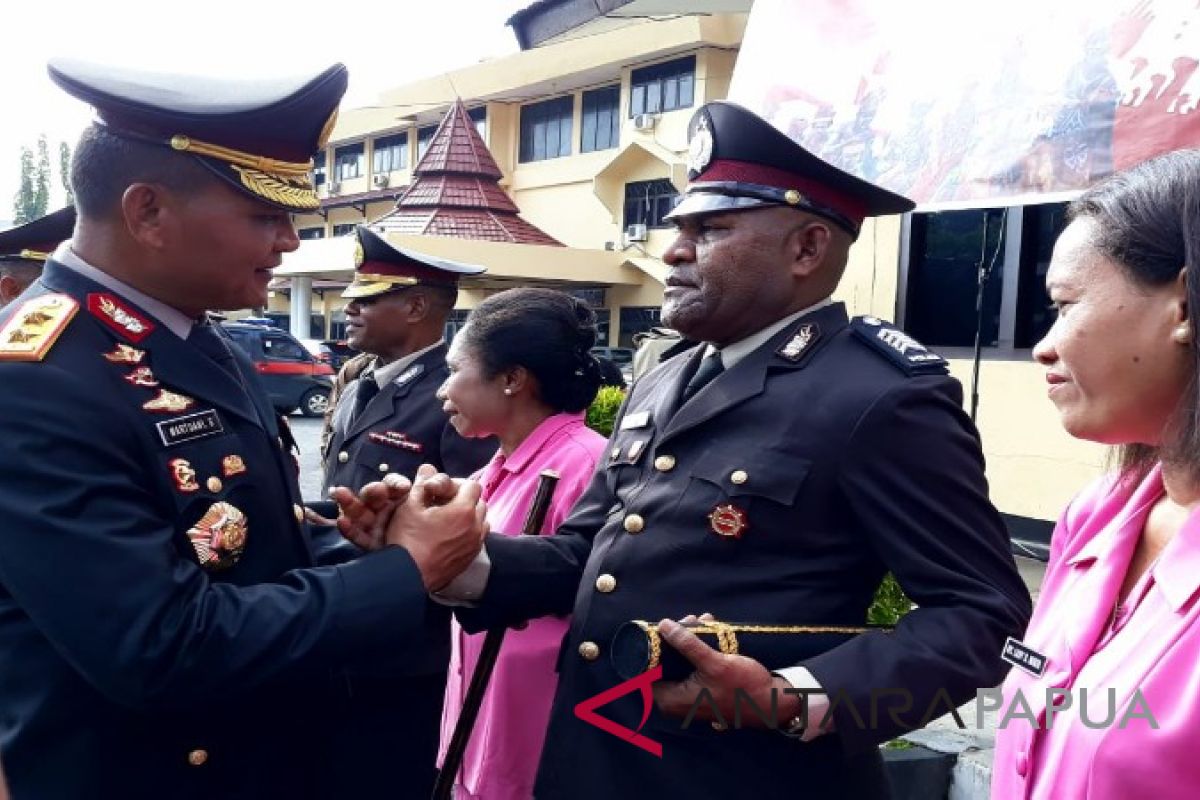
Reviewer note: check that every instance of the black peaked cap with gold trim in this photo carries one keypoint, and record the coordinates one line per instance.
(258, 135)
(382, 267)
(35, 241)
(737, 160)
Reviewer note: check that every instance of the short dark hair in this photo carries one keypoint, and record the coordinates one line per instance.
(105, 165)
(548, 333)
(1148, 222)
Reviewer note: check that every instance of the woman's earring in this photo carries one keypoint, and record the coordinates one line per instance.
(508, 391)
(1183, 334)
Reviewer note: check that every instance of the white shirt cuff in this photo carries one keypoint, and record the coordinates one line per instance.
(468, 587)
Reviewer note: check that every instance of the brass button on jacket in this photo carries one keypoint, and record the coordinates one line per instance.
(634, 523)
(197, 757)
(589, 650)
(606, 583)
(664, 463)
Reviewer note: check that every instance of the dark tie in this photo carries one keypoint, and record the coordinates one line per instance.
(204, 337)
(367, 389)
(710, 367)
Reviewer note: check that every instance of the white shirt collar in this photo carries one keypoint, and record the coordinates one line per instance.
(172, 319)
(733, 353)
(386, 374)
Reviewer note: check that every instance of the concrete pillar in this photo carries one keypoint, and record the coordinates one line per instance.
(301, 309)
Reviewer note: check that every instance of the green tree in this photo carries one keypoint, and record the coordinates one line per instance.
(24, 207)
(64, 170)
(41, 178)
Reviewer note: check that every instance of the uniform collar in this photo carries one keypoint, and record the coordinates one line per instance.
(546, 430)
(733, 353)
(172, 319)
(388, 373)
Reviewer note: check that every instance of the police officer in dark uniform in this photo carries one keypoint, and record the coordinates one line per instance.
(25, 248)
(772, 476)
(390, 420)
(165, 631)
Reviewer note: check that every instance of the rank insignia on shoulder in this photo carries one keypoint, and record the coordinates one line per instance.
(905, 352)
(409, 375)
(124, 354)
(801, 342)
(108, 309)
(232, 465)
(142, 376)
(168, 402)
(35, 327)
(728, 520)
(219, 537)
(183, 474)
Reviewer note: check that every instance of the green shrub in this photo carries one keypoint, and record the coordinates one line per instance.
(602, 413)
(890, 604)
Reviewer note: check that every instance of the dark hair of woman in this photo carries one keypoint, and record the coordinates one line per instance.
(548, 333)
(1148, 222)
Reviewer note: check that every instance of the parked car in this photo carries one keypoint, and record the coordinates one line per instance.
(294, 378)
(621, 356)
(330, 351)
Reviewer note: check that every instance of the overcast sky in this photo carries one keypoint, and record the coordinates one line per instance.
(384, 45)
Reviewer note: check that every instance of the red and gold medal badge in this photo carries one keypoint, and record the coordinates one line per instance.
(728, 520)
(219, 537)
(183, 475)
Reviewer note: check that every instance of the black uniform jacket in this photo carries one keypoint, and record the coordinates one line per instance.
(128, 669)
(780, 494)
(401, 428)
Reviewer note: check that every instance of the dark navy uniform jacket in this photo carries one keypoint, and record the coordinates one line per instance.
(127, 669)
(824, 459)
(401, 428)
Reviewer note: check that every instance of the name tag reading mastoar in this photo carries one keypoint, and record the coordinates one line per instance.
(186, 428)
(1023, 656)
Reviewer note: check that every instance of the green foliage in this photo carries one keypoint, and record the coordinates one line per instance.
(24, 208)
(41, 178)
(602, 414)
(890, 604)
(64, 170)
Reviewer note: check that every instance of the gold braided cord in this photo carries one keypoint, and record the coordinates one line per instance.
(291, 192)
(726, 633)
(374, 277)
(34, 255)
(291, 169)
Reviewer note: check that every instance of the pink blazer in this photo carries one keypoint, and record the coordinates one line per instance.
(502, 757)
(1151, 644)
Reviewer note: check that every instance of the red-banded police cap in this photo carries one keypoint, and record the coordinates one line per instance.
(380, 266)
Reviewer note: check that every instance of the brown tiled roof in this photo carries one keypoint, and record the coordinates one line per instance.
(455, 191)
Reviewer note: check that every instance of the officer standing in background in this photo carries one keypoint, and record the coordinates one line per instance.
(771, 476)
(165, 631)
(390, 420)
(25, 248)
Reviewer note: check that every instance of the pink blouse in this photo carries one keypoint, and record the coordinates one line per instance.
(1150, 644)
(502, 757)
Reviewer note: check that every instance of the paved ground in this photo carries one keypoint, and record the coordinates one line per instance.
(308, 435)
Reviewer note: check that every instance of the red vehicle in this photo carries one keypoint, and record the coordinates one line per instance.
(294, 378)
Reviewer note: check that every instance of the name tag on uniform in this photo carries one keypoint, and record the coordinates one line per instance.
(638, 419)
(1022, 655)
(186, 428)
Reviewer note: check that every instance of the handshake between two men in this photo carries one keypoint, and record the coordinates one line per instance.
(441, 521)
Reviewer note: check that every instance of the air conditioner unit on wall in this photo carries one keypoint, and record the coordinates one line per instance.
(644, 122)
(635, 233)
(333, 187)
(380, 180)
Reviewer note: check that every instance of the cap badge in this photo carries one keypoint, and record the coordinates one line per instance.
(793, 198)
(219, 537)
(700, 149)
(183, 474)
(359, 255)
(728, 520)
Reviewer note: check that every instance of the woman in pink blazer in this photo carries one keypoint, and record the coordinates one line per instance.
(520, 370)
(1117, 615)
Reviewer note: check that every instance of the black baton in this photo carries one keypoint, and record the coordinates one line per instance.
(487, 656)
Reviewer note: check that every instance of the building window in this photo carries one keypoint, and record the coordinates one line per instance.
(946, 252)
(636, 319)
(348, 161)
(424, 137)
(663, 87)
(546, 129)
(311, 233)
(479, 117)
(647, 202)
(319, 168)
(389, 153)
(601, 128)
(344, 230)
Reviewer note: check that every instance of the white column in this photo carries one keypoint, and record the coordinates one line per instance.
(301, 310)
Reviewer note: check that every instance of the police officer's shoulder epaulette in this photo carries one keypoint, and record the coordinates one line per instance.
(905, 352)
(33, 328)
